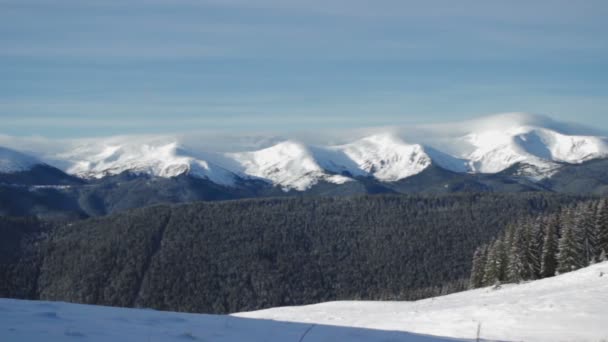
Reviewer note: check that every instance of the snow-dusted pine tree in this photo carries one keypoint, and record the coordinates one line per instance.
(535, 249)
(569, 256)
(478, 268)
(493, 271)
(550, 248)
(601, 229)
(586, 232)
(516, 268)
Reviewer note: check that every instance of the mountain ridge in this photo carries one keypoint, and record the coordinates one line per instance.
(489, 145)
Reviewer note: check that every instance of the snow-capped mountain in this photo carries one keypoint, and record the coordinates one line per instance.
(12, 161)
(162, 159)
(539, 145)
(289, 164)
(386, 157)
(496, 150)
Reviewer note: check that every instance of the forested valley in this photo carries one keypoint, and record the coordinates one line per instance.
(228, 256)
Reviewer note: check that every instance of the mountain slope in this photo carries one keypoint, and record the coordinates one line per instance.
(568, 307)
(33, 321)
(13, 161)
(162, 159)
(495, 151)
(289, 164)
(385, 157)
(19, 169)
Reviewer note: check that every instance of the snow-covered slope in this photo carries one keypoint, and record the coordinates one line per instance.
(495, 143)
(496, 150)
(568, 307)
(386, 157)
(289, 164)
(164, 159)
(12, 161)
(31, 321)
(487, 145)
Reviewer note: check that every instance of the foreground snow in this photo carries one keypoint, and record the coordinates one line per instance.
(569, 307)
(32, 321)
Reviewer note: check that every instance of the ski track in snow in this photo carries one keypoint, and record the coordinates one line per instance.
(569, 307)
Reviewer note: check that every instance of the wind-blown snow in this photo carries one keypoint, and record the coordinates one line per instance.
(568, 307)
(487, 145)
(12, 161)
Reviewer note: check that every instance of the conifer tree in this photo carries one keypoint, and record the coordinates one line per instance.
(550, 248)
(507, 243)
(569, 256)
(479, 264)
(492, 268)
(535, 248)
(586, 232)
(516, 266)
(601, 229)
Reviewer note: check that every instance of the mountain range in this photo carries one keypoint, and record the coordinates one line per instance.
(505, 152)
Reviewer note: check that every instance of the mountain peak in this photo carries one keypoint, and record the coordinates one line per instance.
(162, 159)
(387, 157)
(12, 161)
(289, 164)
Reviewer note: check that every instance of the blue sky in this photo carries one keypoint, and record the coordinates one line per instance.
(77, 68)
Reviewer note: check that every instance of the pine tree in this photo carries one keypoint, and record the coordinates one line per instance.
(492, 268)
(586, 232)
(550, 248)
(569, 257)
(601, 229)
(603, 257)
(503, 256)
(479, 264)
(517, 253)
(536, 246)
(524, 258)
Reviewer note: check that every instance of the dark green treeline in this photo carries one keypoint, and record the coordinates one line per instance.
(544, 246)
